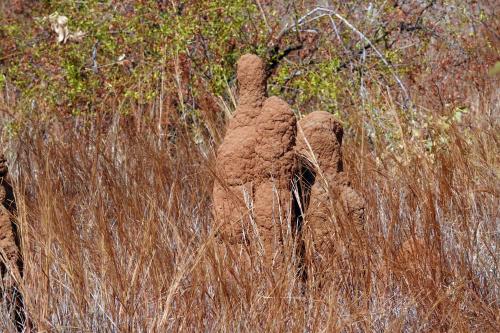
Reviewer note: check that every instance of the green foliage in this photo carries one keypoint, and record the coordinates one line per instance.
(148, 37)
(135, 53)
(495, 70)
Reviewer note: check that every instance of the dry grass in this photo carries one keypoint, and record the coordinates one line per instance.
(118, 236)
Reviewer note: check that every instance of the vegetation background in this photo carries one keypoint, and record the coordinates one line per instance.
(111, 139)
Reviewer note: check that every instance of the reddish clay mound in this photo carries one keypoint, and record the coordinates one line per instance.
(11, 265)
(319, 148)
(3, 166)
(255, 161)
(9, 250)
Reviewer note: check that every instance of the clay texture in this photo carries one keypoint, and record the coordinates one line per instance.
(8, 232)
(319, 150)
(262, 155)
(11, 265)
(255, 162)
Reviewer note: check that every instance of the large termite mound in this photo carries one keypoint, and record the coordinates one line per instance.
(255, 162)
(319, 151)
(262, 156)
(11, 265)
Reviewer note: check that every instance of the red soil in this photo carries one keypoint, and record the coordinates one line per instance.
(257, 163)
(9, 252)
(11, 265)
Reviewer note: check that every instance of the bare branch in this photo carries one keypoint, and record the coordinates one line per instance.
(320, 12)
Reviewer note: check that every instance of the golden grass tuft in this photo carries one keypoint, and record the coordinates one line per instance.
(118, 236)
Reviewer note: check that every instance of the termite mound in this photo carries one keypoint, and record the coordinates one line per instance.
(271, 178)
(11, 264)
(255, 163)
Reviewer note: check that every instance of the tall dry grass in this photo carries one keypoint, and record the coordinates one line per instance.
(118, 236)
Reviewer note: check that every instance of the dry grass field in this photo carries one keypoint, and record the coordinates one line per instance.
(115, 201)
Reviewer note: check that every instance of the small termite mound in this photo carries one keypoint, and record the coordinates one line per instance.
(255, 163)
(11, 264)
(319, 146)
(327, 196)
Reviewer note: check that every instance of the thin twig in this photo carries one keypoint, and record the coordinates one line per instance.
(322, 10)
(264, 18)
(381, 56)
